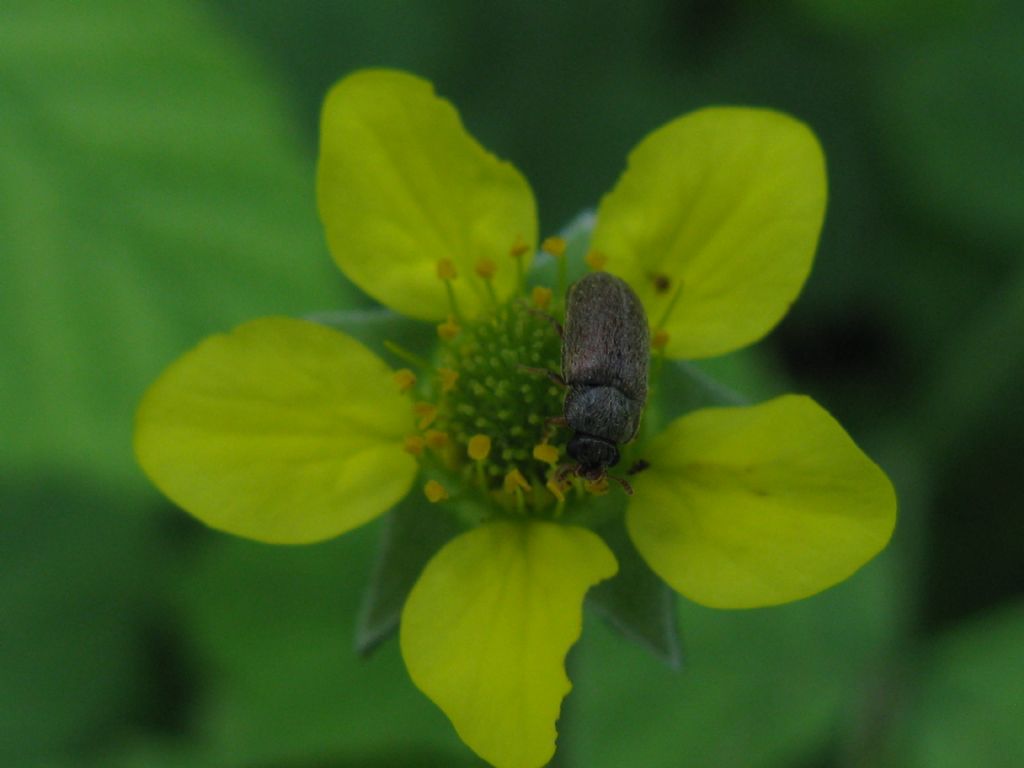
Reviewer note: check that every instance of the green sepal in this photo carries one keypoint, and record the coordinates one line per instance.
(677, 388)
(414, 531)
(381, 331)
(635, 601)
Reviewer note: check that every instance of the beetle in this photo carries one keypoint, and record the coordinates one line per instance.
(605, 353)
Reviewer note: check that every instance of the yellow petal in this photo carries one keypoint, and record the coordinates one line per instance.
(282, 431)
(401, 186)
(714, 223)
(486, 629)
(744, 507)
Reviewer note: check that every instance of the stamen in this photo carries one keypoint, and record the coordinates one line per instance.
(660, 340)
(405, 379)
(485, 269)
(541, 296)
(479, 447)
(426, 412)
(556, 247)
(514, 481)
(404, 354)
(435, 439)
(448, 379)
(519, 247)
(434, 491)
(414, 444)
(449, 329)
(557, 489)
(446, 272)
(596, 260)
(546, 453)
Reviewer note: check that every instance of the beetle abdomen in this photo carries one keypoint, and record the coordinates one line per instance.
(604, 412)
(606, 341)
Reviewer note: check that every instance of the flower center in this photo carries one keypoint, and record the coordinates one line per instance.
(493, 404)
(500, 394)
(489, 439)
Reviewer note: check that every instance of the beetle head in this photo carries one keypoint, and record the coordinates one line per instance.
(594, 455)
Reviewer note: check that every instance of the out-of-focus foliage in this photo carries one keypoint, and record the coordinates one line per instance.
(964, 698)
(156, 185)
(151, 191)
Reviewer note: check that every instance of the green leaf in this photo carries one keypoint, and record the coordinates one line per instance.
(759, 688)
(952, 107)
(152, 193)
(967, 708)
(635, 601)
(77, 566)
(377, 327)
(413, 533)
(281, 685)
(883, 18)
(980, 372)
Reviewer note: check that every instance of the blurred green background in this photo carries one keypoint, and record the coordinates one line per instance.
(156, 185)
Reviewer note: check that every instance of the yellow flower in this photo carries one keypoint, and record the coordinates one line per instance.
(287, 431)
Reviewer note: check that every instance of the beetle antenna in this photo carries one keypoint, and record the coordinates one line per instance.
(638, 466)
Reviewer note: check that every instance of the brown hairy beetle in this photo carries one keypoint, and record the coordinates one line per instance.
(605, 352)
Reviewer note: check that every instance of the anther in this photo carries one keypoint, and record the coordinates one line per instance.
(434, 491)
(414, 444)
(541, 296)
(479, 447)
(426, 413)
(449, 329)
(661, 282)
(596, 260)
(448, 378)
(554, 245)
(405, 379)
(436, 439)
(446, 270)
(546, 453)
(486, 268)
(519, 247)
(660, 340)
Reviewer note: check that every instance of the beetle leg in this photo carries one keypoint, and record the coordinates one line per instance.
(555, 377)
(553, 422)
(623, 482)
(563, 472)
(544, 315)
